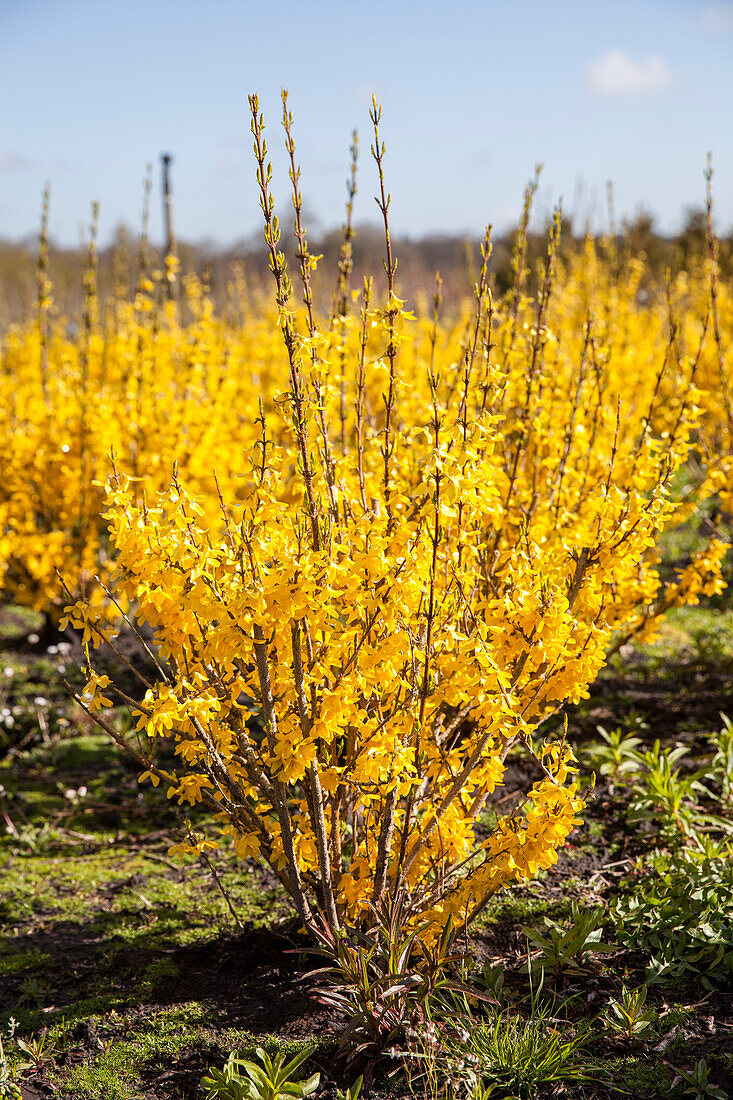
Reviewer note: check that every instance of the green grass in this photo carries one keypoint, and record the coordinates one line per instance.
(115, 1073)
(13, 962)
(525, 905)
(701, 635)
(154, 1043)
(17, 621)
(109, 919)
(637, 1076)
(92, 908)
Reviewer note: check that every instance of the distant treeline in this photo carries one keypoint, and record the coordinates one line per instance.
(456, 258)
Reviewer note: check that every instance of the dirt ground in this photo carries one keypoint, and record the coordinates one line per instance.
(133, 961)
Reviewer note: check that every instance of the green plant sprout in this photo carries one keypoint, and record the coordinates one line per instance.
(241, 1079)
(628, 1017)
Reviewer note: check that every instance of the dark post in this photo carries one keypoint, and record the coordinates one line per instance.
(170, 238)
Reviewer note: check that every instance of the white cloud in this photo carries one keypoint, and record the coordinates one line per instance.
(718, 17)
(619, 74)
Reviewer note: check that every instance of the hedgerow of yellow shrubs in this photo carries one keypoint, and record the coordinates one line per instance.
(422, 538)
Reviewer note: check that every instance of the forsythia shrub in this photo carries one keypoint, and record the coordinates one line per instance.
(645, 343)
(137, 383)
(440, 529)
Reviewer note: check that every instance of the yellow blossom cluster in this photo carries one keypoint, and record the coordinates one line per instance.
(423, 536)
(140, 385)
(444, 528)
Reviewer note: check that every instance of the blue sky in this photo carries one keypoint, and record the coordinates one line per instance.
(473, 94)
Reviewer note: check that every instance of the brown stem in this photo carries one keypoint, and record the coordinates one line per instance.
(305, 262)
(281, 806)
(383, 201)
(316, 791)
(283, 295)
(384, 847)
(360, 391)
